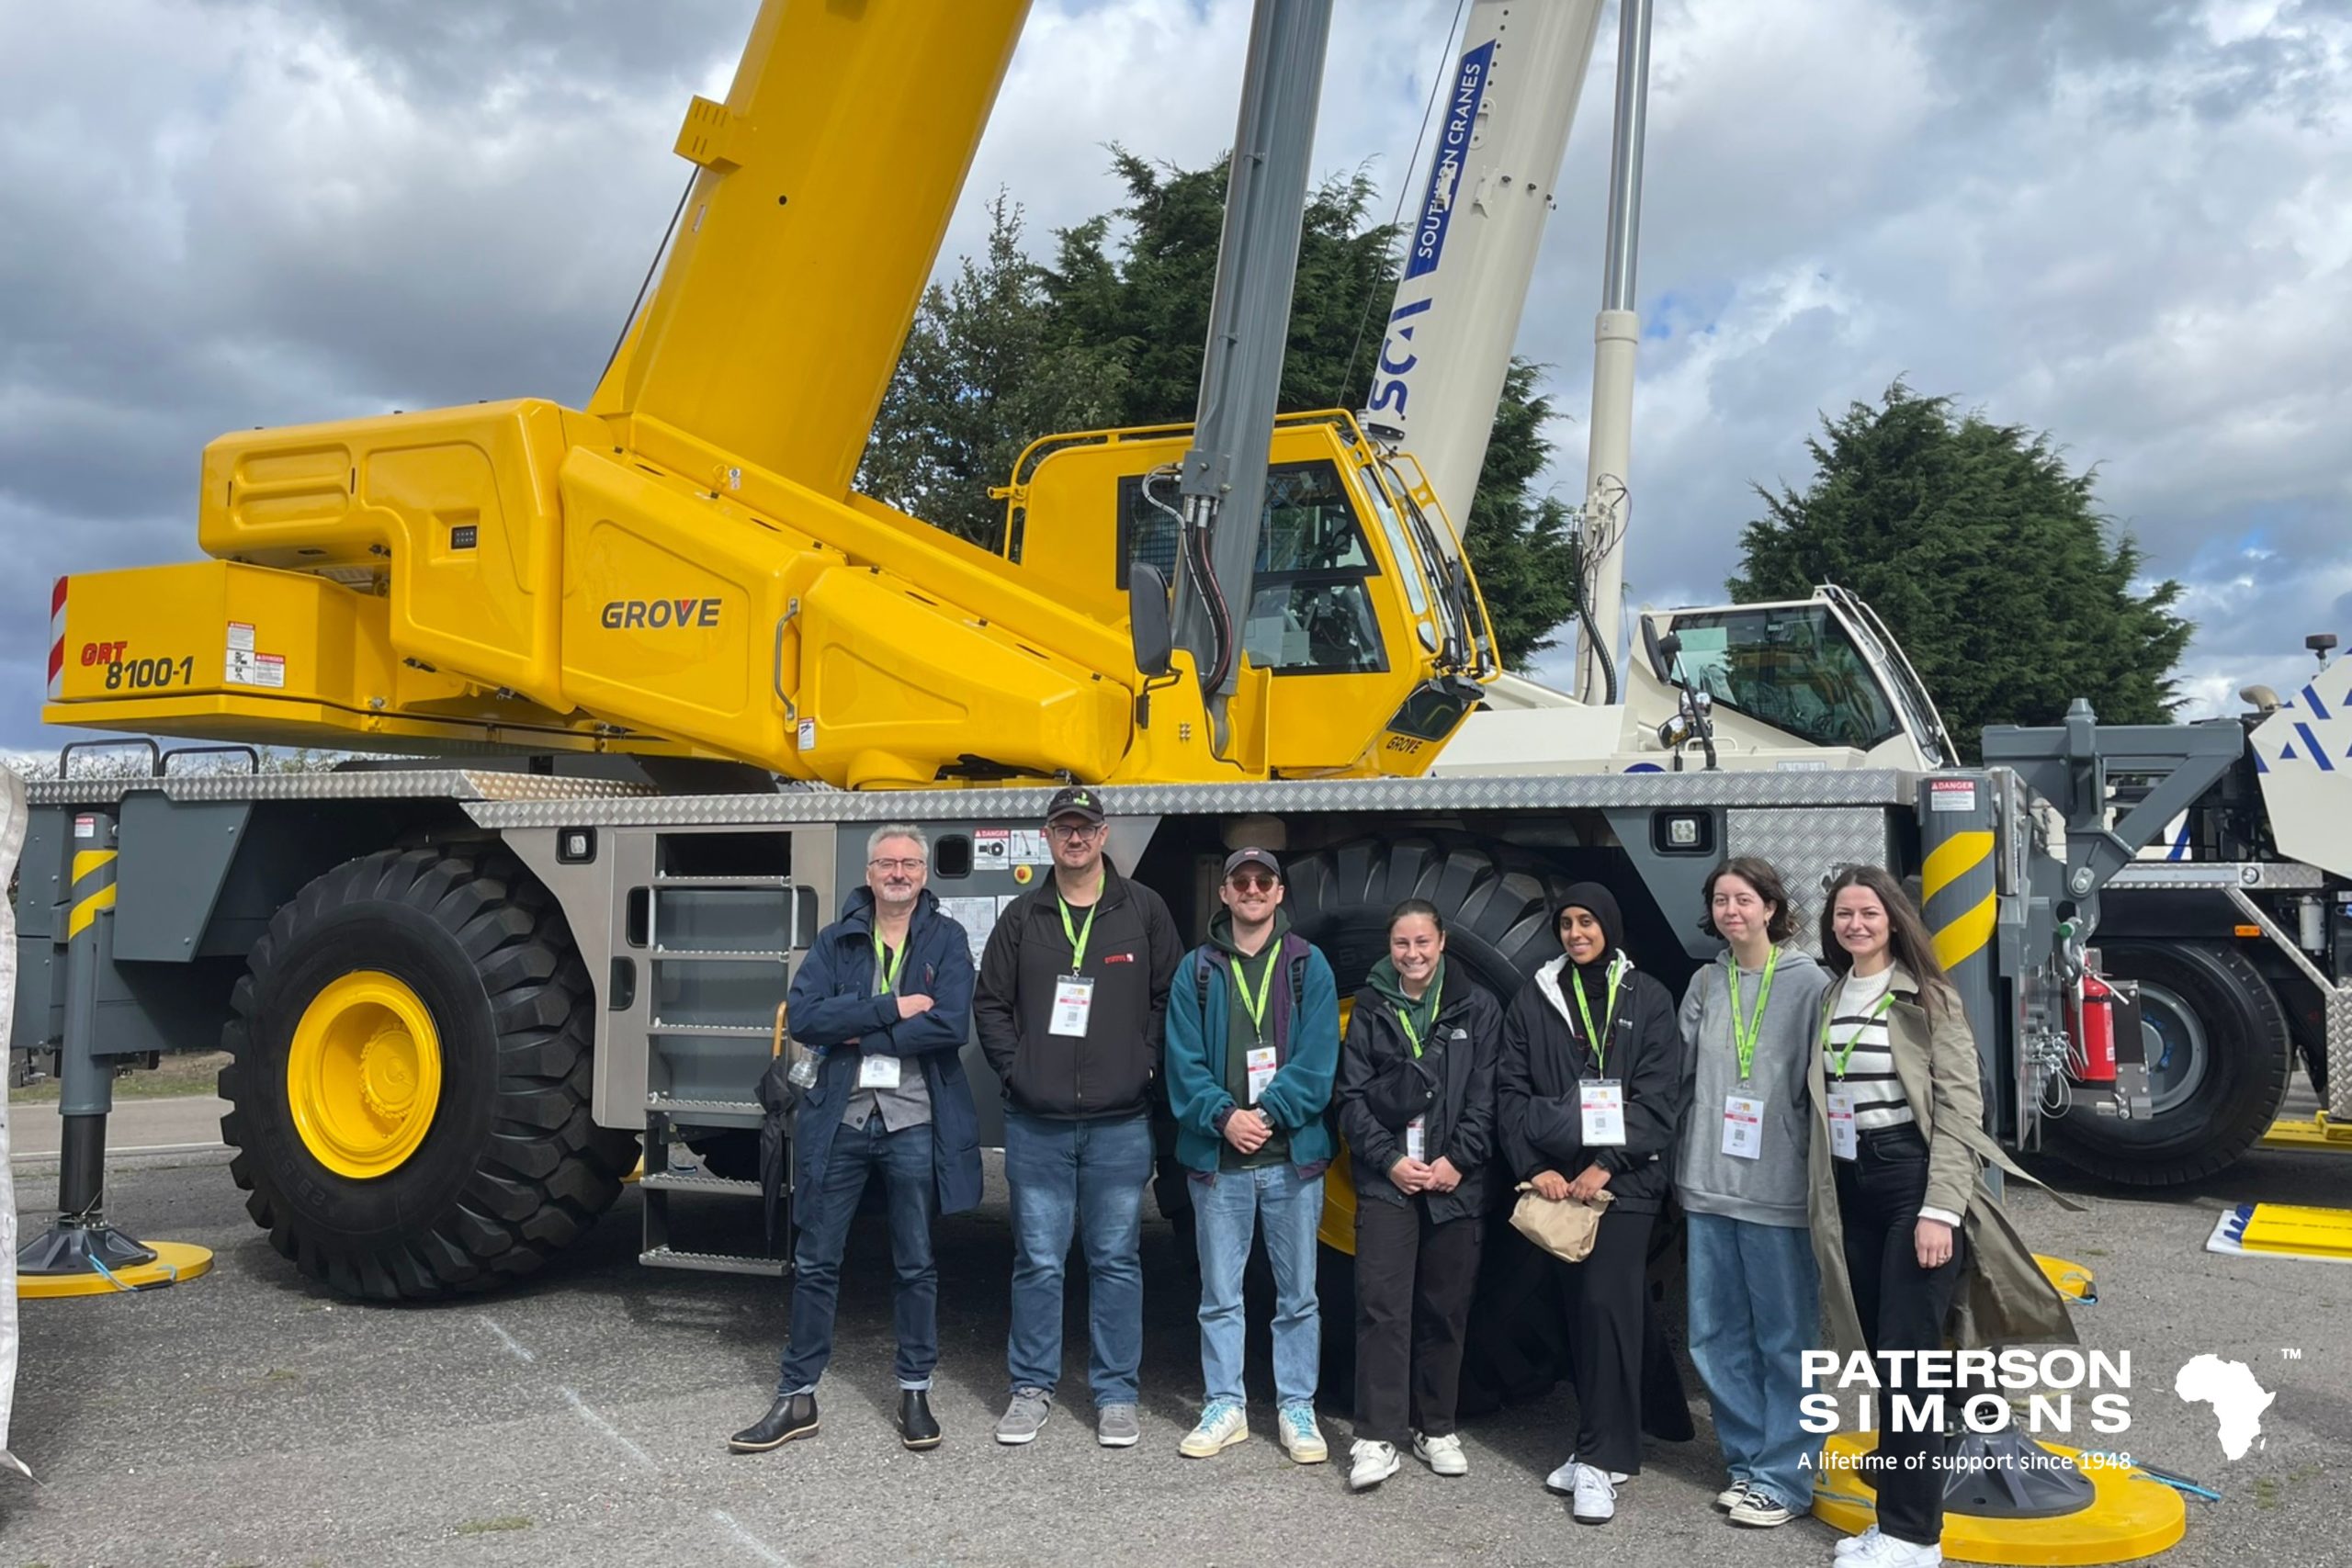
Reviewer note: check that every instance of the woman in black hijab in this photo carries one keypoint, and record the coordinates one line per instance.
(1587, 1084)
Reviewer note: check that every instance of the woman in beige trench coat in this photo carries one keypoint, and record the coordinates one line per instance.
(1913, 1248)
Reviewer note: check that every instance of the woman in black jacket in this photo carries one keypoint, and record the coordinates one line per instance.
(1416, 1099)
(1586, 1093)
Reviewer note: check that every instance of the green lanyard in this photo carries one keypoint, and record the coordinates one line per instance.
(885, 969)
(1077, 935)
(1599, 1038)
(1255, 1006)
(1847, 1055)
(1745, 1036)
(1428, 1011)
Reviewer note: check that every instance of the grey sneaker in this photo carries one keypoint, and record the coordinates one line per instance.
(1114, 1427)
(1023, 1415)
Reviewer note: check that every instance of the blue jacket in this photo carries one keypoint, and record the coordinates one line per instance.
(1306, 1045)
(833, 1002)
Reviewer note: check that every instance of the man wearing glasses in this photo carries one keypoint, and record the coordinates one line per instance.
(886, 999)
(1254, 1043)
(1073, 986)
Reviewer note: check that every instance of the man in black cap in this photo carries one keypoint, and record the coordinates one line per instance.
(1073, 988)
(1253, 1044)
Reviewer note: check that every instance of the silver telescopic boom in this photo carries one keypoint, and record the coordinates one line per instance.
(1616, 334)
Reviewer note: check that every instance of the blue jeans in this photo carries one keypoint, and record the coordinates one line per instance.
(1086, 1175)
(1755, 1308)
(1226, 1209)
(824, 1216)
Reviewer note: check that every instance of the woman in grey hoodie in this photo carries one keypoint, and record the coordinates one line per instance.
(1740, 1173)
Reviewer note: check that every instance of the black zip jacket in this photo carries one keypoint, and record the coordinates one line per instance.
(1130, 956)
(1379, 1079)
(1545, 1060)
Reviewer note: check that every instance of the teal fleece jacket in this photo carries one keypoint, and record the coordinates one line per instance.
(1306, 1040)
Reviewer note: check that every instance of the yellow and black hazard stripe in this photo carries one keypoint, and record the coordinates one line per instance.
(1956, 886)
(93, 890)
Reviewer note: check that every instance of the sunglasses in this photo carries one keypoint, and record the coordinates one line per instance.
(1252, 882)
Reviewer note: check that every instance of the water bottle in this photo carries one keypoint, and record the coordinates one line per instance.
(804, 1073)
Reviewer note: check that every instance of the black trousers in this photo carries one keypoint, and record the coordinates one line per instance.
(1608, 1308)
(1414, 1280)
(1903, 1307)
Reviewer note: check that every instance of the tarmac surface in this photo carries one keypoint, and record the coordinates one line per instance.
(250, 1417)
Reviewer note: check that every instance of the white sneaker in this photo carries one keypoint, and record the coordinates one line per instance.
(1564, 1479)
(1853, 1544)
(1731, 1496)
(1371, 1463)
(1596, 1499)
(1222, 1425)
(1885, 1551)
(1301, 1437)
(1442, 1455)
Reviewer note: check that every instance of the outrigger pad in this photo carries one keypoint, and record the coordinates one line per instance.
(172, 1262)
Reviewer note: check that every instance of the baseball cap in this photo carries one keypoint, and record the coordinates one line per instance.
(1242, 857)
(1075, 800)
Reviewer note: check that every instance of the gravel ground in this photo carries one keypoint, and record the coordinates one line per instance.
(249, 1418)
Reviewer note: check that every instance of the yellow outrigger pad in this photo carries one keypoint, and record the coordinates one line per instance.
(2074, 1281)
(174, 1261)
(2131, 1514)
(2312, 1132)
(2284, 1230)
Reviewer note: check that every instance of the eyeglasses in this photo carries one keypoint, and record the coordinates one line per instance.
(1252, 882)
(1071, 833)
(907, 865)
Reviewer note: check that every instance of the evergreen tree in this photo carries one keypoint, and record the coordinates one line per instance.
(1986, 556)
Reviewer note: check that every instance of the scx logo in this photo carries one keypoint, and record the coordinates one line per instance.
(656, 613)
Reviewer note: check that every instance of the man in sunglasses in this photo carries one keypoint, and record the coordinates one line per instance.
(1253, 1041)
(885, 998)
(1073, 986)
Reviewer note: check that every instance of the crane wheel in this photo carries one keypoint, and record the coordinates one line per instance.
(2218, 1061)
(409, 1087)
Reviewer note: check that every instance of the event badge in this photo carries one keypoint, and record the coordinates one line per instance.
(1073, 1000)
(1413, 1140)
(1845, 1143)
(1260, 1063)
(874, 1071)
(1743, 1127)
(1604, 1111)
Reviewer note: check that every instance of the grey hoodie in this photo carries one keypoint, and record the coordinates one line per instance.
(1769, 1190)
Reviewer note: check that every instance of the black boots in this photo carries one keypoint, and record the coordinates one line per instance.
(791, 1416)
(917, 1428)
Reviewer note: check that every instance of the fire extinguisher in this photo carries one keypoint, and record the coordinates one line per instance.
(2095, 1032)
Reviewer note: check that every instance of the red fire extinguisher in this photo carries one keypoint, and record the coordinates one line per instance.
(2095, 1032)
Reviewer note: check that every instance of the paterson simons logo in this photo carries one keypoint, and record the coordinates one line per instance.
(1974, 1383)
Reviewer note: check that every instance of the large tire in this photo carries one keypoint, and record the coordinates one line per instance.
(2219, 1059)
(511, 1168)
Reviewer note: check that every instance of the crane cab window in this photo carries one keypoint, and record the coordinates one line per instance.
(1793, 666)
(1310, 607)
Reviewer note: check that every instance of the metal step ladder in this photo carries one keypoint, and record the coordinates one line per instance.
(718, 949)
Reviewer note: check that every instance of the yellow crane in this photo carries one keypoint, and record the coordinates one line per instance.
(683, 566)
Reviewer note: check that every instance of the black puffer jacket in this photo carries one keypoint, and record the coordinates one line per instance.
(1382, 1087)
(1544, 1062)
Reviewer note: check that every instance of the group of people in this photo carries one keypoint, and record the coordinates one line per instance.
(1819, 1124)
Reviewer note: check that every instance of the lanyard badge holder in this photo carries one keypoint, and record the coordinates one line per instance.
(876, 1069)
(1416, 1146)
(1074, 992)
(1744, 1112)
(1601, 1099)
(1844, 1137)
(1259, 1059)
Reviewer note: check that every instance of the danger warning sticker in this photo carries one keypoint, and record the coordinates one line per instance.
(1952, 794)
(246, 667)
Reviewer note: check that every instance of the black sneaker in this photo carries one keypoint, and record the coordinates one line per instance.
(791, 1416)
(917, 1427)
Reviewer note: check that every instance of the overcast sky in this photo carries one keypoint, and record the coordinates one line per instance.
(2126, 221)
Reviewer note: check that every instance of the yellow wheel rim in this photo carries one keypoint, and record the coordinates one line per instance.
(364, 1077)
